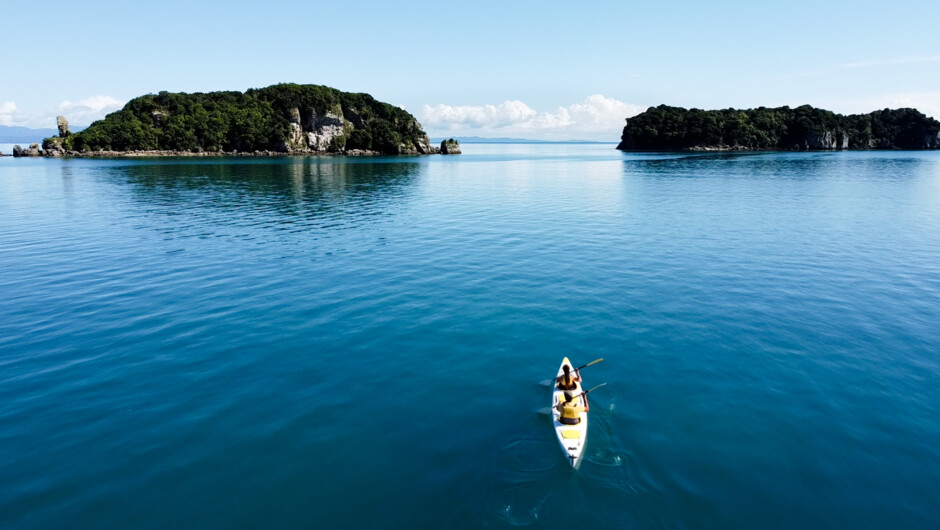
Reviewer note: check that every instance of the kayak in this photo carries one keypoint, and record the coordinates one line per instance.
(570, 437)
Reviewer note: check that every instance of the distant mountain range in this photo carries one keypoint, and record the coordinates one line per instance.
(502, 140)
(10, 135)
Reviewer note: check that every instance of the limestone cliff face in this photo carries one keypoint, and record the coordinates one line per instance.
(423, 146)
(420, 146)
(327, 132)
(318, 133)
(822, 140)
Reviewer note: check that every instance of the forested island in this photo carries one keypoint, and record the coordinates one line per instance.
(782, 128)
(279, 119)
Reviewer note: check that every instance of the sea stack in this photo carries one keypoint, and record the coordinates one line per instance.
(450, 147)
(63, 125)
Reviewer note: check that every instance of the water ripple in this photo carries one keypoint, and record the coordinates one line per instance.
(345, 343)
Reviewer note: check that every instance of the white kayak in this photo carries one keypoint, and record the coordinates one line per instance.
(571, 437)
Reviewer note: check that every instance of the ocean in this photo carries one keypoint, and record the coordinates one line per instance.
(332, 342)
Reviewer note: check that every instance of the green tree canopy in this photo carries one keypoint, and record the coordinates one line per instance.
(782, 128)
(256, 120)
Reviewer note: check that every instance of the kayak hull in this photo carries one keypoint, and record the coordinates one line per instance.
(571, 438)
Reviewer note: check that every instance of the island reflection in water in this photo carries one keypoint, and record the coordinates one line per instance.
(297, 193)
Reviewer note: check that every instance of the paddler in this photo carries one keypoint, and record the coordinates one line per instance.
(570, 409)
(568, 381)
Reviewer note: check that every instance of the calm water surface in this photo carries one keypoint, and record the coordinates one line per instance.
(331, 342)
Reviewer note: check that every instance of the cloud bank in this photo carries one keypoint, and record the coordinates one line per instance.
(89, 109)
(596, 118)
(7, 109)
(80, 113)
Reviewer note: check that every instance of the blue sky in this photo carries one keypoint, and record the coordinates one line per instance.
(552, 70)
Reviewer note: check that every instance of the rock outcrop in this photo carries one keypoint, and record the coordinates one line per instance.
(33, 150)
(54, 146)
(157, 117)
(450, 147)
(63, 125)
(423, 146)
(311, 132)
(822, 140)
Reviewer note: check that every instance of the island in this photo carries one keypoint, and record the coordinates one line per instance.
(666, 128)
(282, 119)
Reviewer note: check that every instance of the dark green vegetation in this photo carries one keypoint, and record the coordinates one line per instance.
(783, 128)
(275, 118)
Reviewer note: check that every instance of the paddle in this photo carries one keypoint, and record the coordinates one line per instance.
(591, 390)
(581, 394)
(580, 367)
(548, 410)
(586, 391)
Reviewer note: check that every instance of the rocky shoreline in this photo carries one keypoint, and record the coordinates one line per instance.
(310, 134)
(727, 148)
(36, 152)
(190, 154)
(303, 144)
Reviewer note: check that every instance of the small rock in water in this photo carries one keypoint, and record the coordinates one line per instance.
(450, 147)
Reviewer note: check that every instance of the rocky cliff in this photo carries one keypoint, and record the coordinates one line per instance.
(32, 150)
(450, 147)
(782, 128)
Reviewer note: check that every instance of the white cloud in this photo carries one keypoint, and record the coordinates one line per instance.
(7, 108)
(597, 117)
(502, 115)
(89, 109)
(81, 113)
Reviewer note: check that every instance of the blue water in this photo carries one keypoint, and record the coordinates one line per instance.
(364, 343)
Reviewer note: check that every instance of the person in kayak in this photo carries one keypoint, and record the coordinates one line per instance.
(568, 381)
(570, 410)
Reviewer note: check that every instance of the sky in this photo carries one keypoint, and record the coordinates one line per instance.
(542, 70)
